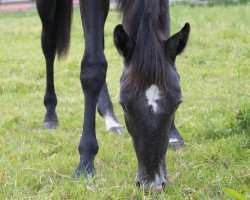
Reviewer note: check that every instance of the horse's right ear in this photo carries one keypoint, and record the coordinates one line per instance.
(177, 43)
(124, 44)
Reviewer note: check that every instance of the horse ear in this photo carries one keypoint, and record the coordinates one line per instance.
(177, 43)
(123, 42)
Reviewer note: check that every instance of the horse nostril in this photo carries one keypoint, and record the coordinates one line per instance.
(164, 184)
(160, 187)
(138, 184)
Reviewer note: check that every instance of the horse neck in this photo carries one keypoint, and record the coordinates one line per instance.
(131, 18)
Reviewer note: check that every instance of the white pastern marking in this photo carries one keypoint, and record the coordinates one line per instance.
(111, 123)
(172, 140)
(153, 94)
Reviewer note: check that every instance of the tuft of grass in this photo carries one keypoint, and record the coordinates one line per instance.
(234, 194)
(214, 118)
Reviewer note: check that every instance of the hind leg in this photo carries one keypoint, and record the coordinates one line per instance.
(106, 110)
(46, 10)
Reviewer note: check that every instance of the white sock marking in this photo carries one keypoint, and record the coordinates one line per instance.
(172, 140)
(110, 123)
(153, 94)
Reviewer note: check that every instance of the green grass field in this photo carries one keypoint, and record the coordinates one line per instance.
(214, 118)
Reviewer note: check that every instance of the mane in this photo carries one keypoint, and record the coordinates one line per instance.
(142, 20)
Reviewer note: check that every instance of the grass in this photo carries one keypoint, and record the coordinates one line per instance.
(214, 118)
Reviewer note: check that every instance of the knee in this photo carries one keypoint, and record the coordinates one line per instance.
(93, 74)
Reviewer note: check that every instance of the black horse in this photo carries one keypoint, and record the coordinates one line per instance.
(150, 88)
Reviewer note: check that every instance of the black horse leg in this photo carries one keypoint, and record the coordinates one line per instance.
(106, 110)
(93, 75)
(46, 10)
(104, 105)
(176, 142)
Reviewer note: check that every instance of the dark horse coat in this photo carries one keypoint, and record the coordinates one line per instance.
(150, 89)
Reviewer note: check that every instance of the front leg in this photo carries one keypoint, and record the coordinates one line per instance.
(92, 79)
(176, 142)
(93, 74)
(106, 110)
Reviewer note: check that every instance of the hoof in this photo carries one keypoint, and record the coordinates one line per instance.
(50, 125)
(85, 170)
(84, 173)
(116, 130)
(176, 143)
(112, 125)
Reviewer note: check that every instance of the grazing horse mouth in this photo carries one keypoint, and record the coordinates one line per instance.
(156, 187)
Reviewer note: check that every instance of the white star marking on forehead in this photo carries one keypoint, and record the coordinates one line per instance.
(153, 94)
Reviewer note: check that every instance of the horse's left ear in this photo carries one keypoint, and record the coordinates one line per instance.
(123, 42)
(177, 43)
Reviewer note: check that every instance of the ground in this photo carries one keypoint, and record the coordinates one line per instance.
(213, 119)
